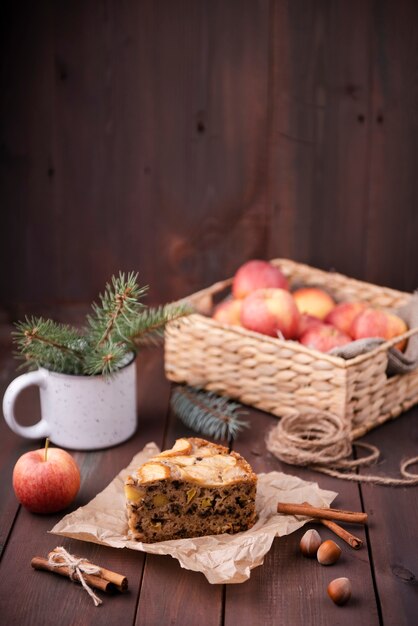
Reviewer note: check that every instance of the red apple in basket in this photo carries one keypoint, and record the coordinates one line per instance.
(313, 301)
(343, 315)
(271, 312)
(46, 480)
(376, 323)
(257, 274)
(307, 321)
(324, 337)
(228, 312)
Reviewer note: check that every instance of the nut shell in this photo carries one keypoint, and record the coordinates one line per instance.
(328, 552)
(339, 590)
(310, 543)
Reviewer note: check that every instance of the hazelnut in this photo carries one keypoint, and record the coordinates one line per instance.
(328, 552)
(310, 543)
(339, 590)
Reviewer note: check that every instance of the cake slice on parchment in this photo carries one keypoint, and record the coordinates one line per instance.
(197, 488)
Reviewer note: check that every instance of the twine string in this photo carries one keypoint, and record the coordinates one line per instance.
(323, 442)
(77, 567)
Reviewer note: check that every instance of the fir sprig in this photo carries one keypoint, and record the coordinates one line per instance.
(118, 308)
(206, 412)
(47, 343)
(107, 342)
(105, 359)
(148, 326)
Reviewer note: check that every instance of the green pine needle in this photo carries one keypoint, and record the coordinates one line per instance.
(46, 343)
(105, 359)
(113, 318)
(207, 413)
(149, 324)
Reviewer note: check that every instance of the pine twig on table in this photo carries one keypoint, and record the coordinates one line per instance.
(207, 413)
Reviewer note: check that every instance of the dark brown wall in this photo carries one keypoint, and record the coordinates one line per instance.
(182, 137)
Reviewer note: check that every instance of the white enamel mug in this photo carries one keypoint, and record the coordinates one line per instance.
(78, 412)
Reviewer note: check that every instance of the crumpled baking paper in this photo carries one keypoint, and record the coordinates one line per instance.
(221, 558)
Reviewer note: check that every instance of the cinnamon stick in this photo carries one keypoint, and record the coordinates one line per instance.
(307, 510)
(119, 580)
(94, 581)
(352, 540)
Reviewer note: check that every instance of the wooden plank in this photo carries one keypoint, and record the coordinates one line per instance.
(44, 596)
(169, 124)
(316, 99)
(202, 130)
(319, 103)
(292, 112)
(86, 91)
(392, 221)
(11, 447)
(184, 597)
(28, 245)
(158, 143)
(393, 529)
(173, 595)
(288, 588)
(342, 131)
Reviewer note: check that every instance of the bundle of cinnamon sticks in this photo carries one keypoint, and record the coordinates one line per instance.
(104, 580)
(329, 518)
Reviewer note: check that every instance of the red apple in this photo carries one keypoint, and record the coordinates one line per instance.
(377, 323)
(46, 480)
(271, 312)
(257, 274)
(342, 316)
(307, 321)
(313, 301)
(324, 337)
(228, 312)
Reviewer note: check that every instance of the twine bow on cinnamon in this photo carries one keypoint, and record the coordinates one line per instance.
(77, 569)
(324, 442)
(81, 571)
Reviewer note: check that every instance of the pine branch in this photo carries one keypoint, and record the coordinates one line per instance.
(106, 359)
(207, 413)
(148, 327)
(118, 308)
(48, 344)
(118, 324)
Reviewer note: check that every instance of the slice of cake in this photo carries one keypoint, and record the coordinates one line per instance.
(196, 488)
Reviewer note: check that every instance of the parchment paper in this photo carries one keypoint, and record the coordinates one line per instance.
(221, 558)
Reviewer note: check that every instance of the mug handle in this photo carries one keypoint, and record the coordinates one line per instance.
(37, 431)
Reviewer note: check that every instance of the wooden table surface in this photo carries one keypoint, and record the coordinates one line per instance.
(287, 589)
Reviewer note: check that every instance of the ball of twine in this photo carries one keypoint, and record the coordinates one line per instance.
(310, 438)
(322, 441)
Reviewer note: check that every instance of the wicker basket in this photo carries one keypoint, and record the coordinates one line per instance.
(285, 377)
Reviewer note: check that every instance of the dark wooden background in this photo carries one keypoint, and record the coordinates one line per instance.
(180, 138)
